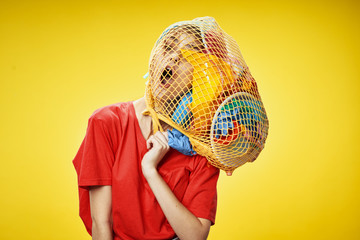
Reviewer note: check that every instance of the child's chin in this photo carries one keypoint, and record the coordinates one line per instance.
(160, 96)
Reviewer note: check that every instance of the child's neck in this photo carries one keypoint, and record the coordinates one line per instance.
(145, 122)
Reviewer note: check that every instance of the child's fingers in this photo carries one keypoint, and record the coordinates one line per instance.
(149, 142)
(162, 136)
(157, 142)
(161, 141)
(166, 136)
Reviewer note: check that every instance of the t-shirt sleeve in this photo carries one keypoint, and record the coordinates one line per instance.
(95, 158)
(201, 195)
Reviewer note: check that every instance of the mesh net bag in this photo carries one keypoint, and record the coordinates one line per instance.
(200, 85)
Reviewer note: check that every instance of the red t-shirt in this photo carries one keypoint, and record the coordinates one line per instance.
(111, 154)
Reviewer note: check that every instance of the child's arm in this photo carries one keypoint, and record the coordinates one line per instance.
(185, 224)
(100, 207)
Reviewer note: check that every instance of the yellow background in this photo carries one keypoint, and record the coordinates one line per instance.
(61, 60)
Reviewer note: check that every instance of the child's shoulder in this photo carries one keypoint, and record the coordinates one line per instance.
(110, 112)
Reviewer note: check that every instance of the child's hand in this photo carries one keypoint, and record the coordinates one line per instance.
(158, 147)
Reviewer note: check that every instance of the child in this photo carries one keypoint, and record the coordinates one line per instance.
(131, 184)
